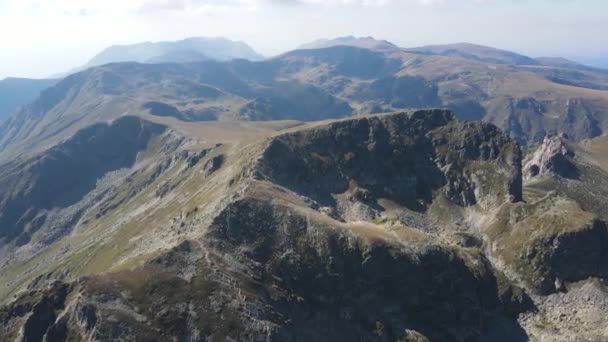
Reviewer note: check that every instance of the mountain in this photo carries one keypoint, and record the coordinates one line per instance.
(462, 50)
(476, 53)
(17, 92)
(177, 51)
(186, 56)
(190, 92)
(409, 225)
(360, 42)
(213, 48)
(182, 51)
(526, 101)
(287, 236)
(318, 195)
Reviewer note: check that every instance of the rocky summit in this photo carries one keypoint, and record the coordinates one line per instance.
(410, 226)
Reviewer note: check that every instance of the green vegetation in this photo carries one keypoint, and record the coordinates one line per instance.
(391, 219)
(522, 236)
(395, 225)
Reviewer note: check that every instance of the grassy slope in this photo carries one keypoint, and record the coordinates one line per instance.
(138, 224)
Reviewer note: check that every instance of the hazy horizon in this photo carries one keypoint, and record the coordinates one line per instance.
(57, 35)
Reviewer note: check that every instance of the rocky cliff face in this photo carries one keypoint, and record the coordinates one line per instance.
(555, 243)
(406, 159)
(401, 227)
(552, 158)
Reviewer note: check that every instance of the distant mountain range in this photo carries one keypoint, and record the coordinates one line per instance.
(193, 49)
(187, 50)
(476, 52)
(15, 92)
(462, 50)
(527, 97)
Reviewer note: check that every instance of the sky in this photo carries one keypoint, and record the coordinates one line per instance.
(39, 38)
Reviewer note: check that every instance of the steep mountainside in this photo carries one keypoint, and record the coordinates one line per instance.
(402, 227)
(17, 92)
(528, 102)
(575, 175)
(64, 174)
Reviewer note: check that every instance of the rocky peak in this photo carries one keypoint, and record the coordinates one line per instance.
(552, 158)
(409, 158)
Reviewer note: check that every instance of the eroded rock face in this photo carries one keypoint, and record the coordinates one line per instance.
(270, 272)
(213, 164)
(552, 158)
(348, 282)
(404, 157)
(33, 315)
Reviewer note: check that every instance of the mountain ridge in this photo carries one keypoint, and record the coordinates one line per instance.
(238, 246)
(528, 102)
(476, 52)
(317, 230)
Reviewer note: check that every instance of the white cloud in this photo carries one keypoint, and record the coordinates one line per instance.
(431, 2)
(93, 7)
(335, 2)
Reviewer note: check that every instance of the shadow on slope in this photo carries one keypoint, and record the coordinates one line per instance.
(62, 175)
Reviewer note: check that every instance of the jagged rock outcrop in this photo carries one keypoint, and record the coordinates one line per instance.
(338, 282)
(36, 312)
(213, 164)
(272, 273)
(552, 158)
